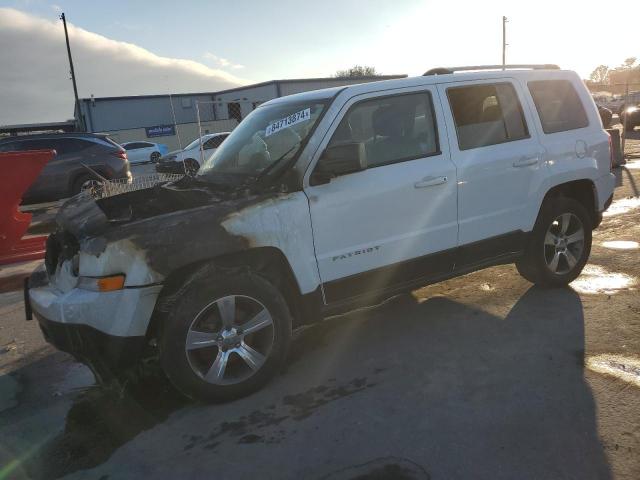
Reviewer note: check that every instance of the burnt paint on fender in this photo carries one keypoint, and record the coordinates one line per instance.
(173, 227)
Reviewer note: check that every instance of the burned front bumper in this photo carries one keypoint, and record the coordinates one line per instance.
(104, 354)
(105, 330)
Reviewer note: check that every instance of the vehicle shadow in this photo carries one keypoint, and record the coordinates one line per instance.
(98, 423)
(499, 397)
(624, 176)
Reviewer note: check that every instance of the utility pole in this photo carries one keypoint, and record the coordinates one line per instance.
(504, 41)
(73, 74)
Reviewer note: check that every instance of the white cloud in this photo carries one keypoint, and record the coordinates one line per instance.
(222, 62)
(35, 83)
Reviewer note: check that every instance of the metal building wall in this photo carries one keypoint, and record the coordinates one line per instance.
(123, 113)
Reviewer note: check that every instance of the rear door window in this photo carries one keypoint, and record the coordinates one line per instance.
(487, 115)
(558, 105)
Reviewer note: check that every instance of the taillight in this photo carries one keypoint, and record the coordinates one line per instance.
(610, 153)
(121, 154)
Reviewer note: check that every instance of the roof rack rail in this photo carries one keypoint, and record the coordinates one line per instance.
(448, 70)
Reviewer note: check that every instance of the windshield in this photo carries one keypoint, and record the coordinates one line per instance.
(269, 134)
(196, 142)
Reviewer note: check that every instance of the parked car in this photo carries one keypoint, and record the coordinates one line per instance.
(630, 117)
(142, 152)
(66, 175)
(188, 159)
(605, 115)
(322, 202)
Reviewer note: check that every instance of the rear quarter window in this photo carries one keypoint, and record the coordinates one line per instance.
(558, 104)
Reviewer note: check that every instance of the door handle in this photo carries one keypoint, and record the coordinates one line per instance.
(526, 161)
(430, 182)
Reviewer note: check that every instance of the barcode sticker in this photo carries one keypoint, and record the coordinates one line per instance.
(301, 116)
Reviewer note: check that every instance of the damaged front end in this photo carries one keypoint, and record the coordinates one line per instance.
(106, 264)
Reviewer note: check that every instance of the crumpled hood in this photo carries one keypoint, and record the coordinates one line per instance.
(83, 216)
(172, 227)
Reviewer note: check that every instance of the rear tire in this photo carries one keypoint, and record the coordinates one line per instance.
(85, 182)
(210, 349)
(155, 156)
(559, 245)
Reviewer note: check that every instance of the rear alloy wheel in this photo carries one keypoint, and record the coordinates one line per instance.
(564, 243)
(155, 156)
(191, 167)
(225, 339)
(559, 245)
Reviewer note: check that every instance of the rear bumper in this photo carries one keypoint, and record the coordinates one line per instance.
(604, 190)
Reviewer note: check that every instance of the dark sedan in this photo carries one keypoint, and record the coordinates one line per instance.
(65, 175)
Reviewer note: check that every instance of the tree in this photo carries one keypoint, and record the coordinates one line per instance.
(629, 62)
(357, 71)
(600, 74)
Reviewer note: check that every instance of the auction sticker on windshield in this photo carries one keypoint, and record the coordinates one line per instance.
(301, 116)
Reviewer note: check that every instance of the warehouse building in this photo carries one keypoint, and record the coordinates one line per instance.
(173, 119)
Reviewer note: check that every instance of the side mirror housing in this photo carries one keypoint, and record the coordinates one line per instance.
(339, 160)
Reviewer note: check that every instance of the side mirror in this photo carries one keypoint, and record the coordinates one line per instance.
(339, 160)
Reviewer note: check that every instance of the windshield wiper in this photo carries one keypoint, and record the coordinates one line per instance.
(274, 164)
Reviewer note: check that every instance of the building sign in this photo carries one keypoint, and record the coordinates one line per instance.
(160, 131)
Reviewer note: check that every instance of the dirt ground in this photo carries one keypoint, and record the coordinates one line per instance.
(482, 377)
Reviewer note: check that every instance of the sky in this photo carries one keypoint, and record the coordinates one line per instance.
(130, 47)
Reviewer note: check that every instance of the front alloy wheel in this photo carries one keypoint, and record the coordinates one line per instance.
(191, 167)
(225, 336)
(229, 340)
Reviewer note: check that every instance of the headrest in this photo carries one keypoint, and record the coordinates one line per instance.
(388, 121)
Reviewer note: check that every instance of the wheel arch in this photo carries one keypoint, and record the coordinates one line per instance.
(78, 174)
(583, 191)
(269, 262)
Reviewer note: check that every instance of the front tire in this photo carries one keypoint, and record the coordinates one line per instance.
(560, 244)
(191, 167)
(225, 337)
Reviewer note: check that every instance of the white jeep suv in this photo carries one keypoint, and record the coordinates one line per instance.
(321, 202)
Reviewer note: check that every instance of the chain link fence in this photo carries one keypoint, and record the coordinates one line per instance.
(109, 188)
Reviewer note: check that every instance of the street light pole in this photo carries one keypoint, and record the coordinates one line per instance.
(73, 73)
(504, 41)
